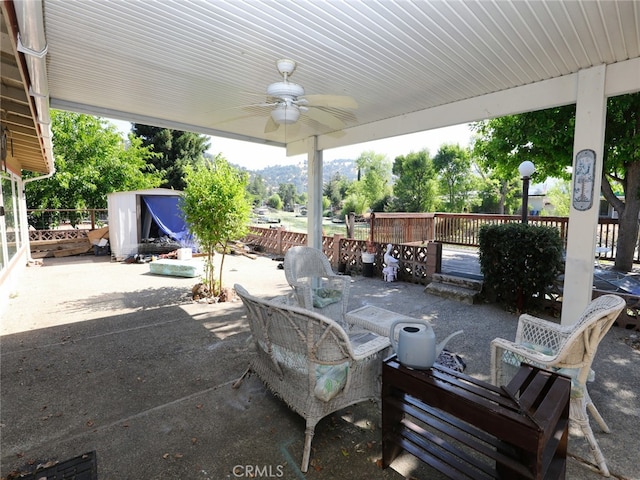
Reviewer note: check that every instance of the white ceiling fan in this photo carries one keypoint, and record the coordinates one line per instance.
(289, 101)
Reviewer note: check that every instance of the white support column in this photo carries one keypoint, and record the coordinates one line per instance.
(591, 108)
(314, 190)
(23, 217)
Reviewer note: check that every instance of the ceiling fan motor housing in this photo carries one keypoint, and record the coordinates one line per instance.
(285, 90)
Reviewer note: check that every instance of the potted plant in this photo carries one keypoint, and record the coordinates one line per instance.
(368, 258)
(369, 253)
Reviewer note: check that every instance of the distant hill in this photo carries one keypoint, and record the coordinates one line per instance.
(297, 174)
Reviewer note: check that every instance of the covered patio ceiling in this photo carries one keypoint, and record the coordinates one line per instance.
(410, 66)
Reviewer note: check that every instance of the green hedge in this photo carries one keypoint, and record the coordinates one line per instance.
(519, 262)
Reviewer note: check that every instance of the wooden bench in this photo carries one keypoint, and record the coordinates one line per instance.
(466, 428)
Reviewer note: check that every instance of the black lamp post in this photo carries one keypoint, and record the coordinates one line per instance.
(526, 169)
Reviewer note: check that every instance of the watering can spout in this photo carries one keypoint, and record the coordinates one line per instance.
(441, 345)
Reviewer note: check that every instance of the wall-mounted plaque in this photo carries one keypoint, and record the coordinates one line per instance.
(583, 180)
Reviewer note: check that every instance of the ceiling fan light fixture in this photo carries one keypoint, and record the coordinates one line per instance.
(285, 114)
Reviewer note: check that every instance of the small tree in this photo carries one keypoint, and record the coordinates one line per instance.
(275, 202)
(453, 164)
(216, 208)
(374, 176)
(416, 187)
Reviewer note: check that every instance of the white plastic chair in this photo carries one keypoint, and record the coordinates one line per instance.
(569, 350)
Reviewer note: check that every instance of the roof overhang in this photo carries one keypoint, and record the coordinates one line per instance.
(24, 111)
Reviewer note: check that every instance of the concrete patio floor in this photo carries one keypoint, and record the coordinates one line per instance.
(99, 355)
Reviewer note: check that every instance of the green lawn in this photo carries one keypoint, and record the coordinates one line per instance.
(294, 223)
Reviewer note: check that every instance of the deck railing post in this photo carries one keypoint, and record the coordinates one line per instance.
(434, 258)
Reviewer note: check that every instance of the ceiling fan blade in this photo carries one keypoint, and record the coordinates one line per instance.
(271, 126)
(264, 104)
(331, 101)
(291, 129)
(325, 118)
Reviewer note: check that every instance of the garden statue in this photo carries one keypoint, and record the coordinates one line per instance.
(390, 271)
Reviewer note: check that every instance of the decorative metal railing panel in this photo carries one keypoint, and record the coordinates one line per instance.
(71, 234)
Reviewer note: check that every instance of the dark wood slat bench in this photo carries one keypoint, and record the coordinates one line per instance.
(466, 428)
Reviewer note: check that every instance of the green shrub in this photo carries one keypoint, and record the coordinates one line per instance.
(519, 262)
(275, 202)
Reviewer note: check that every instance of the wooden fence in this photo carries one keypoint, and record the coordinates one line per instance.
(384, 228)
(346, 254)
(402, 227)
(418, 257)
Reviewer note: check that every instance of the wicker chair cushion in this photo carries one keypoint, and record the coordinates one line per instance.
(330, 379)
(326, 296)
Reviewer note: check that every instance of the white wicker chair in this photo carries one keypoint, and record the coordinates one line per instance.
(568, 349)
(315, 285)
(310, 362)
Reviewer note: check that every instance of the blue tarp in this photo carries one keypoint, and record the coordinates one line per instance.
(166, 212)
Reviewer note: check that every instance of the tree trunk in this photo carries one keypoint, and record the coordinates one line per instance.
(225, 245)
(502, 197)
(627, 236)
(628, 220)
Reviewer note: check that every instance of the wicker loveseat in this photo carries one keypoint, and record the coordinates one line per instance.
(310, 362)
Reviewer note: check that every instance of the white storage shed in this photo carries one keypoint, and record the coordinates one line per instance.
(137, 215)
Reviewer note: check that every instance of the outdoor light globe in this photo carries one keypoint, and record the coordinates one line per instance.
(285, 114)
(526, 169)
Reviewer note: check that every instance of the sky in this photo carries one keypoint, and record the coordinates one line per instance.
(254, 156)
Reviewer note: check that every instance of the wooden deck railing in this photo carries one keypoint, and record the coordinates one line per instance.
(394, 228)
(401, 227)
(463, 229)
(345, 254)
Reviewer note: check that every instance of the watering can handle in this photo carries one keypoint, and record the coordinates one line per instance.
(392, 337)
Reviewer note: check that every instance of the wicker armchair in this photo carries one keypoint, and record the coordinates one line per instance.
(567, 349)
(316, 287)
(310, 362)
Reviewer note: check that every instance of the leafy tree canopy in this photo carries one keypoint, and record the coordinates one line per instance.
(176, 149)
(546, 138)
(453, 164)
(416, 188)
(375, 176)
(257, 189)
(274, 201)
(91, 161)
(335, 189)
(288, 194)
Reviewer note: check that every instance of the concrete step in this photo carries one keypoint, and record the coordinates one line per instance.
(463, 282)
(453, 292)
